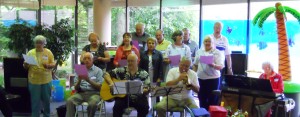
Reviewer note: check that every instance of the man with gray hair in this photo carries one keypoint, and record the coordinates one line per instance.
(140, 35)
(181, 75)
(222, 44)
(88, 88)
(191, 43)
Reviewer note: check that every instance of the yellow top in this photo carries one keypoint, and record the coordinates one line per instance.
(37, 74)
(163, 45)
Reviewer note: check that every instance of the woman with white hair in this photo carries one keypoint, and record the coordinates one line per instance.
(40, 77)
(208, 72)
(275, 78)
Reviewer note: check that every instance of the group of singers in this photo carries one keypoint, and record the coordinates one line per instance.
(149, 63)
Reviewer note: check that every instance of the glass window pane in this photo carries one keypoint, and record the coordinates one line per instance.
(234, 22)
(48, 17)
(28, 16)
(8, 15)
(144, 13)
(179, 17)
(118, 25)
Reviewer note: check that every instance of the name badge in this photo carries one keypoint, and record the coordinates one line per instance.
(45, 57)
(276, 80)
(93, 78)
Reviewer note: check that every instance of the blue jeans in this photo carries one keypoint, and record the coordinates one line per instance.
(40, 93)
(205, 95)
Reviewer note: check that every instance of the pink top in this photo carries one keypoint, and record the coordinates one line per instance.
(122, 54)
(276, 82)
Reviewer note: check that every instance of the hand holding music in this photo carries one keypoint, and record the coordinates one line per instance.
(83, 77)
(167, 60)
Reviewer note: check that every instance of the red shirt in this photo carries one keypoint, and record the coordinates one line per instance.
(122, 54)
(276, 82)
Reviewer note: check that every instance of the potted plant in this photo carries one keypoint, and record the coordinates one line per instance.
(20, 38)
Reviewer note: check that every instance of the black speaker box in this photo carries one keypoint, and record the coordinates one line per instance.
(239, 64)
(16, 82)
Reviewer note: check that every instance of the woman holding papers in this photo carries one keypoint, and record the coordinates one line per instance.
(101, 55)
(40, 77)
(177, 49)
(124, 50)
(208, 63)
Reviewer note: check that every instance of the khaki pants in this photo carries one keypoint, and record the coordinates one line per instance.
(92, 98)
(161, 107)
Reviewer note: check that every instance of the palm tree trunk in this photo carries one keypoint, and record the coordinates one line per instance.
(283, 52)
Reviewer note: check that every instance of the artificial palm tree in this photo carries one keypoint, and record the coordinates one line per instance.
(284, 57)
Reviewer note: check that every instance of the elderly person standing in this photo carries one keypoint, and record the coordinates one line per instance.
(181, 75)
(162, 44)
(208, 73)
(99, 51)
(140, 35)
(88, 88)
(192, 44)
(222, 44)
(275, 78)
(178, 48)
(151, 61)
(40, 77)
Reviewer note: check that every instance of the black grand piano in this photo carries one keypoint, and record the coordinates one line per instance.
(245, 93)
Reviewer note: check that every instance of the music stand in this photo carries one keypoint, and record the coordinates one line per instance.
(128, 87)
(166, 91)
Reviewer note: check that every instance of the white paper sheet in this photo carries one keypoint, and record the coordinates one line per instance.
(30, 60)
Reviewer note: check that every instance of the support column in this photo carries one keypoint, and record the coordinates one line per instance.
(102, 20)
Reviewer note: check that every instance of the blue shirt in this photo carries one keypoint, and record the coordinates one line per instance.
(95, 74)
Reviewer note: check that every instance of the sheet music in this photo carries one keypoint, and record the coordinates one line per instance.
(119, 88)
(30, 60)
(162, 91)
(128, 87)
(135, 87)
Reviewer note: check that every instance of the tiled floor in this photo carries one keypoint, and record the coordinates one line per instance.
(109, 106)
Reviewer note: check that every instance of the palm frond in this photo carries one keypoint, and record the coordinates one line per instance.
(264, 17)
(260, 14)
(293, 12)
(282, 10)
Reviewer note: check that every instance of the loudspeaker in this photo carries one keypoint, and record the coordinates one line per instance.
(16, 82)
(239, 64)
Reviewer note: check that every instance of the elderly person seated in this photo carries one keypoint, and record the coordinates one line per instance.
(181, 75)
(87, 88)
(130, 72)
(275, 78)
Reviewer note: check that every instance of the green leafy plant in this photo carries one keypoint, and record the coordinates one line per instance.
(59, 39)
(20, 38)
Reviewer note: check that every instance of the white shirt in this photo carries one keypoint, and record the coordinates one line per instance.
(204, 71)
(183, 50)
(192, 77)
(221, 44)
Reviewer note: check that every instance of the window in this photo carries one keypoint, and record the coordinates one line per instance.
(28, 16)
(264, 41)
(118, 25)
(234, 19)
(140, 13)
(179, 17)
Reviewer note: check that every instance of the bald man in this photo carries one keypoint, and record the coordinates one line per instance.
(222, 44)
(87, 88)
(130, 72)
(140, 36)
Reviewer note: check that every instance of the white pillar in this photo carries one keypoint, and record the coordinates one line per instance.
(102, 20)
